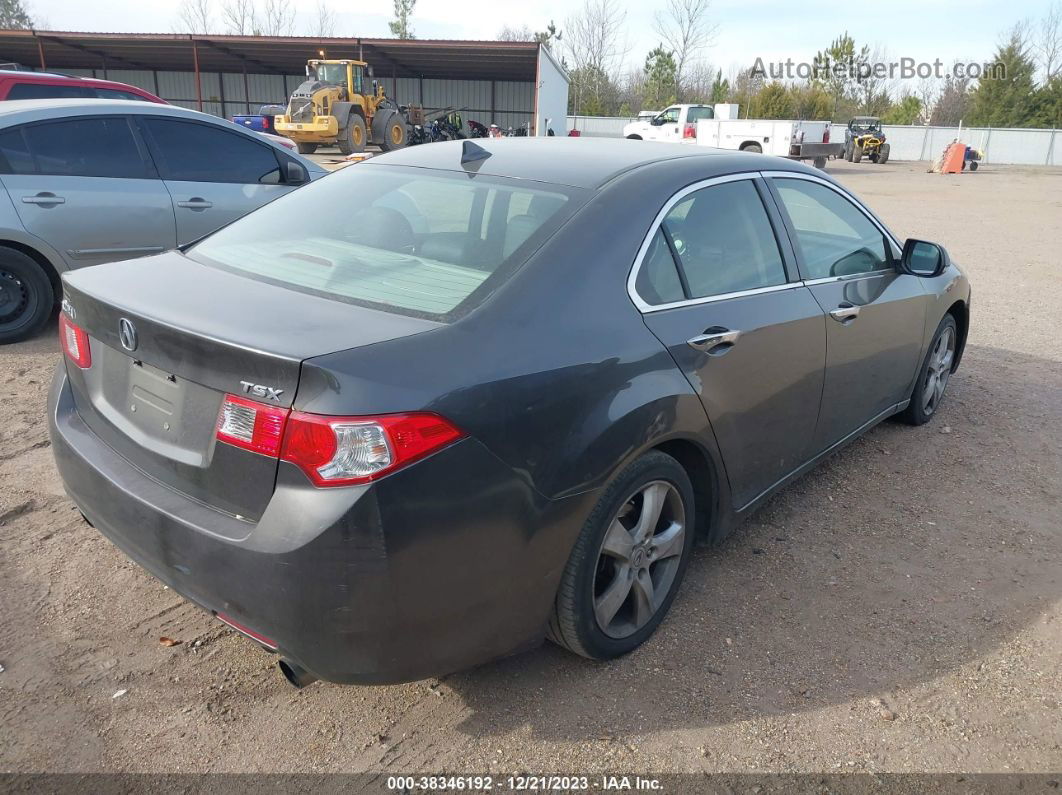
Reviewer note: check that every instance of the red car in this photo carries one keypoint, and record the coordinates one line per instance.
(43, 85)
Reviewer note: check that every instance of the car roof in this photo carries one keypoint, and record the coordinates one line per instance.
(19, 111)
(577, 162)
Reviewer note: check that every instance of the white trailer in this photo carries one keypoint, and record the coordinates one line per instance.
(799, 140)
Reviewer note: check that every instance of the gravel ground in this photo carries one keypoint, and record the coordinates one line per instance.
(898, 609)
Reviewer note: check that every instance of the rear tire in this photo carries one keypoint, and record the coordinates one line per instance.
(305, 148)
(352, 137)
(634, 137)
(755, 148)
(628, 561)
(973, 165)
(26, 296)
(934, 374)
(820, 163)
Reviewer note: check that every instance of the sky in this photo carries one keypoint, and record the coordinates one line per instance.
(746, 29)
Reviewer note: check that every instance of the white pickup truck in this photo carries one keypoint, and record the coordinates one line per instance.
(676, 124)
(717, 126)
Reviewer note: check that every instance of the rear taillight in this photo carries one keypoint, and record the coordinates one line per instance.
(333, 451)
(826, 135)
(689, 131)
(339, 451)
(251, 425)
(75, 342)
(265, 123)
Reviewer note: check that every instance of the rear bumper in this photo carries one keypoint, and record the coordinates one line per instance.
(449, 563)
(807, 151)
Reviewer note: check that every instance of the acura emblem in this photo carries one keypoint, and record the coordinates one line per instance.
(127, 334)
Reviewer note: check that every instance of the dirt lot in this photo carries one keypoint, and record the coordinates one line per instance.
(899, 609)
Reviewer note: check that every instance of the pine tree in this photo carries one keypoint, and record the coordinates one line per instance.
(401, 27)
(1007, 99)
(13, 15)
(661, 78)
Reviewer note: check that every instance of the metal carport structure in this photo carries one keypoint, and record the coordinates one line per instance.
(503, 82)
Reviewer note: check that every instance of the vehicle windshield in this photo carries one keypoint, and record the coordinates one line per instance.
(414, 241)
(334, 73)
(866, 125)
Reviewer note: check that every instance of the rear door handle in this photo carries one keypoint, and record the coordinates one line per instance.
(845, 313)
(44, 198)
(196, 203)
(714, 341)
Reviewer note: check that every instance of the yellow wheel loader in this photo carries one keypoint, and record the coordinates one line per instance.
(332, 108)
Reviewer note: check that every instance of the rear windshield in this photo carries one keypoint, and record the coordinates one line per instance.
(409, 240)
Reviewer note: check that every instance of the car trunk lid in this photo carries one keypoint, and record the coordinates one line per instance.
(170, 337)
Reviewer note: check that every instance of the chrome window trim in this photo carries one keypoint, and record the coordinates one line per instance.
(646, 308)
(632, 277)
(852, 200)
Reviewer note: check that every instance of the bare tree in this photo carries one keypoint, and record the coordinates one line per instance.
(325, 24)
(510, 33)
(195, 16)
(238, 17)
(1048, 43)
(277, 18)
(595, 46)
(686, 29)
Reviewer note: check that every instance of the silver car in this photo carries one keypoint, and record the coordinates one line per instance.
(92, 181)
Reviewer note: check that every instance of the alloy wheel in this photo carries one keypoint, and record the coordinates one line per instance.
(639, 558)
(939, 370)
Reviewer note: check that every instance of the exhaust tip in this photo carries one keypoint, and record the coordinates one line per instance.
(296, 675)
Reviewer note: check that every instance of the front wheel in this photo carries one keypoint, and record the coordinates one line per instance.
(934, 375)
(634, 137)
(26, 296)
(857, 153)
(628, 562)
(883, 154)
(352, 137)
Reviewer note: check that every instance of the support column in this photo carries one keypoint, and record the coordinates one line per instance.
(40, 53)
(198, 83)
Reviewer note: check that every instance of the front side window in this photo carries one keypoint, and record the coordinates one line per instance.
(86, 147)
(193, 152)
(835, 238)
(669, 116)
(113, 93)
(413, 241)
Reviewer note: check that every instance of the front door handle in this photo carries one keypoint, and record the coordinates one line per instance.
(196, 203)
(44, 199)
(845, 313)
(714, 341)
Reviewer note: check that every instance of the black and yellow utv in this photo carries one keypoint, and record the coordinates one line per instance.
(864, 138)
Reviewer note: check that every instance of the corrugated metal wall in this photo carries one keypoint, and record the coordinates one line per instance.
(1013, 146)
(504, 103)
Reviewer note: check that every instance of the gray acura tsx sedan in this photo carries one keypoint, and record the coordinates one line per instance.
(442, 404)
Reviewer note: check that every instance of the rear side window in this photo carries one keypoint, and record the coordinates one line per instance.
(15, 157)
(724, 240)
(46, 91)
(694, 114)
(87, 147)
(413, 241)
(191, 152)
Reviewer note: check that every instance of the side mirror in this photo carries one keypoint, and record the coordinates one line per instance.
(922, 258)
(297, 174)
